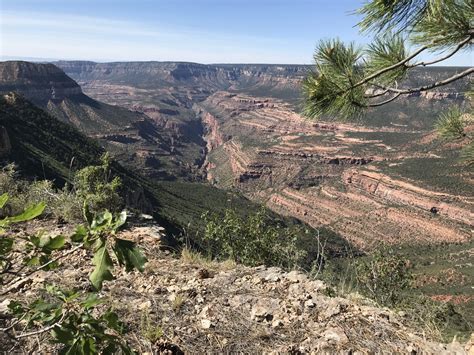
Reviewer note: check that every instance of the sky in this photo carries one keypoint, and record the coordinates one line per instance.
(203, 31)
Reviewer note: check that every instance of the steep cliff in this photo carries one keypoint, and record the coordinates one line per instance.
(39, 82)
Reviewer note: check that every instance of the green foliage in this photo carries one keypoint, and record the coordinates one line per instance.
(76, 321)
(7, 242)
(62, 204)
(94, 185)
(327, 89)
(438, 23)
(29, 213)
(383, 52)
(72, 319)
(383, 277)
(450, 124)
(100, 235)
(444, 24)
(255, 240)
(40, 247)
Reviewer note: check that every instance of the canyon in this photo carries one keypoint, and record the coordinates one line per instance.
(331, 174)
(238, 127)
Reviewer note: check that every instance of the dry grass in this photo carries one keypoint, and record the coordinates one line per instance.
(148, 329)
(178, 302)
(195, 258)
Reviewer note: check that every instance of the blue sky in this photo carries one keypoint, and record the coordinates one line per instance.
(205, 31)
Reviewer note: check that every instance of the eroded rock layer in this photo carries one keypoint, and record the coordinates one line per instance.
(330, 174)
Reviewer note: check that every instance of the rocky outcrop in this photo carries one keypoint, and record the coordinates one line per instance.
(204, 307)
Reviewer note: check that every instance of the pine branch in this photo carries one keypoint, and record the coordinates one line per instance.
(399, 92)
(431, 86)
(388, 69)
(449, 55)
(384, 102)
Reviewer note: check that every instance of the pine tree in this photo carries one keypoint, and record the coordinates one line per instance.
(349, 79)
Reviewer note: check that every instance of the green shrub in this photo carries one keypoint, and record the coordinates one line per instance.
(99, 235)
(95, 185)
(92, 184)
(441, 320)
(255, 240)
(7, 242)
(14, 187)
(71, 318)
(383, 276)
(63, 204)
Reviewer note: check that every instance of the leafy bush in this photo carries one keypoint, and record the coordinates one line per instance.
(383, 277)
(62, 204)
(6, 242)
(94, 185)
(11, 185)
(72, 319)
(255, 240)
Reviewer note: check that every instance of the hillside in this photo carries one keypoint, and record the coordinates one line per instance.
(191, 305)
(322, 173)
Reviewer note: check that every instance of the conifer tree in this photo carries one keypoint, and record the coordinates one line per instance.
(349, 79)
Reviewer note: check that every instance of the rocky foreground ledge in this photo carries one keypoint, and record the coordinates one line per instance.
(190, 305)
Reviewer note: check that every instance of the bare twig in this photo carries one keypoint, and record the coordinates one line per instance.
(42, 330)
(384, 102)
(13, 324)
(25, 277)
(433, 85)
(59, 257)
(449, 55)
